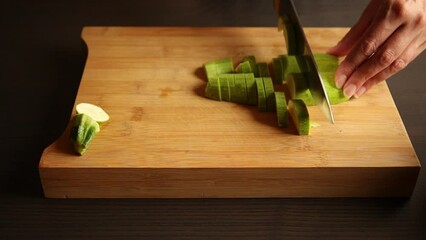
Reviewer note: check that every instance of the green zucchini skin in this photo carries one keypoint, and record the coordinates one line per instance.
(261, 96)
(300, 116)
(83, 130)
(281, 108)
(269, 93)
(263, 69)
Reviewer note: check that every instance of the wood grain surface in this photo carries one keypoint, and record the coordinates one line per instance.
(41, 65)
(165, 139)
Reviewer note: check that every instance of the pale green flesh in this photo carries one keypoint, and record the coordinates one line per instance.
(252, 60)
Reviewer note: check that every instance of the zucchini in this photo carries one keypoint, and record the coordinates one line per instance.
(252, 60)
(263, 69)
(269, 94)
(281, 108)
(252, 98)
(300, 116)
(261, 96)
(244, 67)
(298, 88)
(213, 90)
(95, 112)
(83, 130)
(214, 68)
(240, 89)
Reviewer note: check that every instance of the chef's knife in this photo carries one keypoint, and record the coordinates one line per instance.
(298, 45)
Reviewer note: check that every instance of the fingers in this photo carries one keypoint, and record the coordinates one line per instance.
(379, 31)
(355, 33)
(396, 35)
(408, 56)
(383, 58)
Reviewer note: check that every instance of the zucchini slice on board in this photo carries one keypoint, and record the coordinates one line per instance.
(261, 96)
(244, 67)
(215, 68)
(269, 93)
(251, 89)
(281, 106)
(95, 112)
(252, 60)
(300, 115)
(298, 88)
(212, 90)
(240, 89)
(224, 88)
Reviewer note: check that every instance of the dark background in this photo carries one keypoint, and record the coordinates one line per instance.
(41, 63)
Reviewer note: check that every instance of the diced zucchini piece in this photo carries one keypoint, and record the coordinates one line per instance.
(224, 88)
(261, 96)
(252, 60)
(300, 115)
(251, 89)
(289, 65)
(281, 107)
(263, 69)
(244, 67)
(215, 68)
(212, 90)
(298, 88)
(240, 89)
(269, 93)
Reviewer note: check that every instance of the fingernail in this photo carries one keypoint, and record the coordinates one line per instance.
(340, 81)
(349, 90)
(360, 92)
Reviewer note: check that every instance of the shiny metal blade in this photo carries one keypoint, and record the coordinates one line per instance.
(297, 44)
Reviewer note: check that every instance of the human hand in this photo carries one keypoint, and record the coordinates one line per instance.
(389, 35)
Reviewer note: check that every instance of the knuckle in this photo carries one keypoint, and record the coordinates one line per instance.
(399, 8)
(387, 57)
(420, 21)
(398, 65)
(368, 47)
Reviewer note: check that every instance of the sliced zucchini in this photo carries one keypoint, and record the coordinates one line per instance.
(300, 116)
(252, 60)
(298, 88)
(215, 68)
(251, 89)
(213, 90)
(269, 93)
(261, 96)
(83, 130)
(281, 108)
(95, 112)
(240, 92)
(244, 67)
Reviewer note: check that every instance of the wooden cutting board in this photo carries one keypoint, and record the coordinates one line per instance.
(165, 139)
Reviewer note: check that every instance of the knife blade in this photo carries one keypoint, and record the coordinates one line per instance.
(297, 44)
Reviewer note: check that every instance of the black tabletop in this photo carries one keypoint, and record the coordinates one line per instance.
(41, 63)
